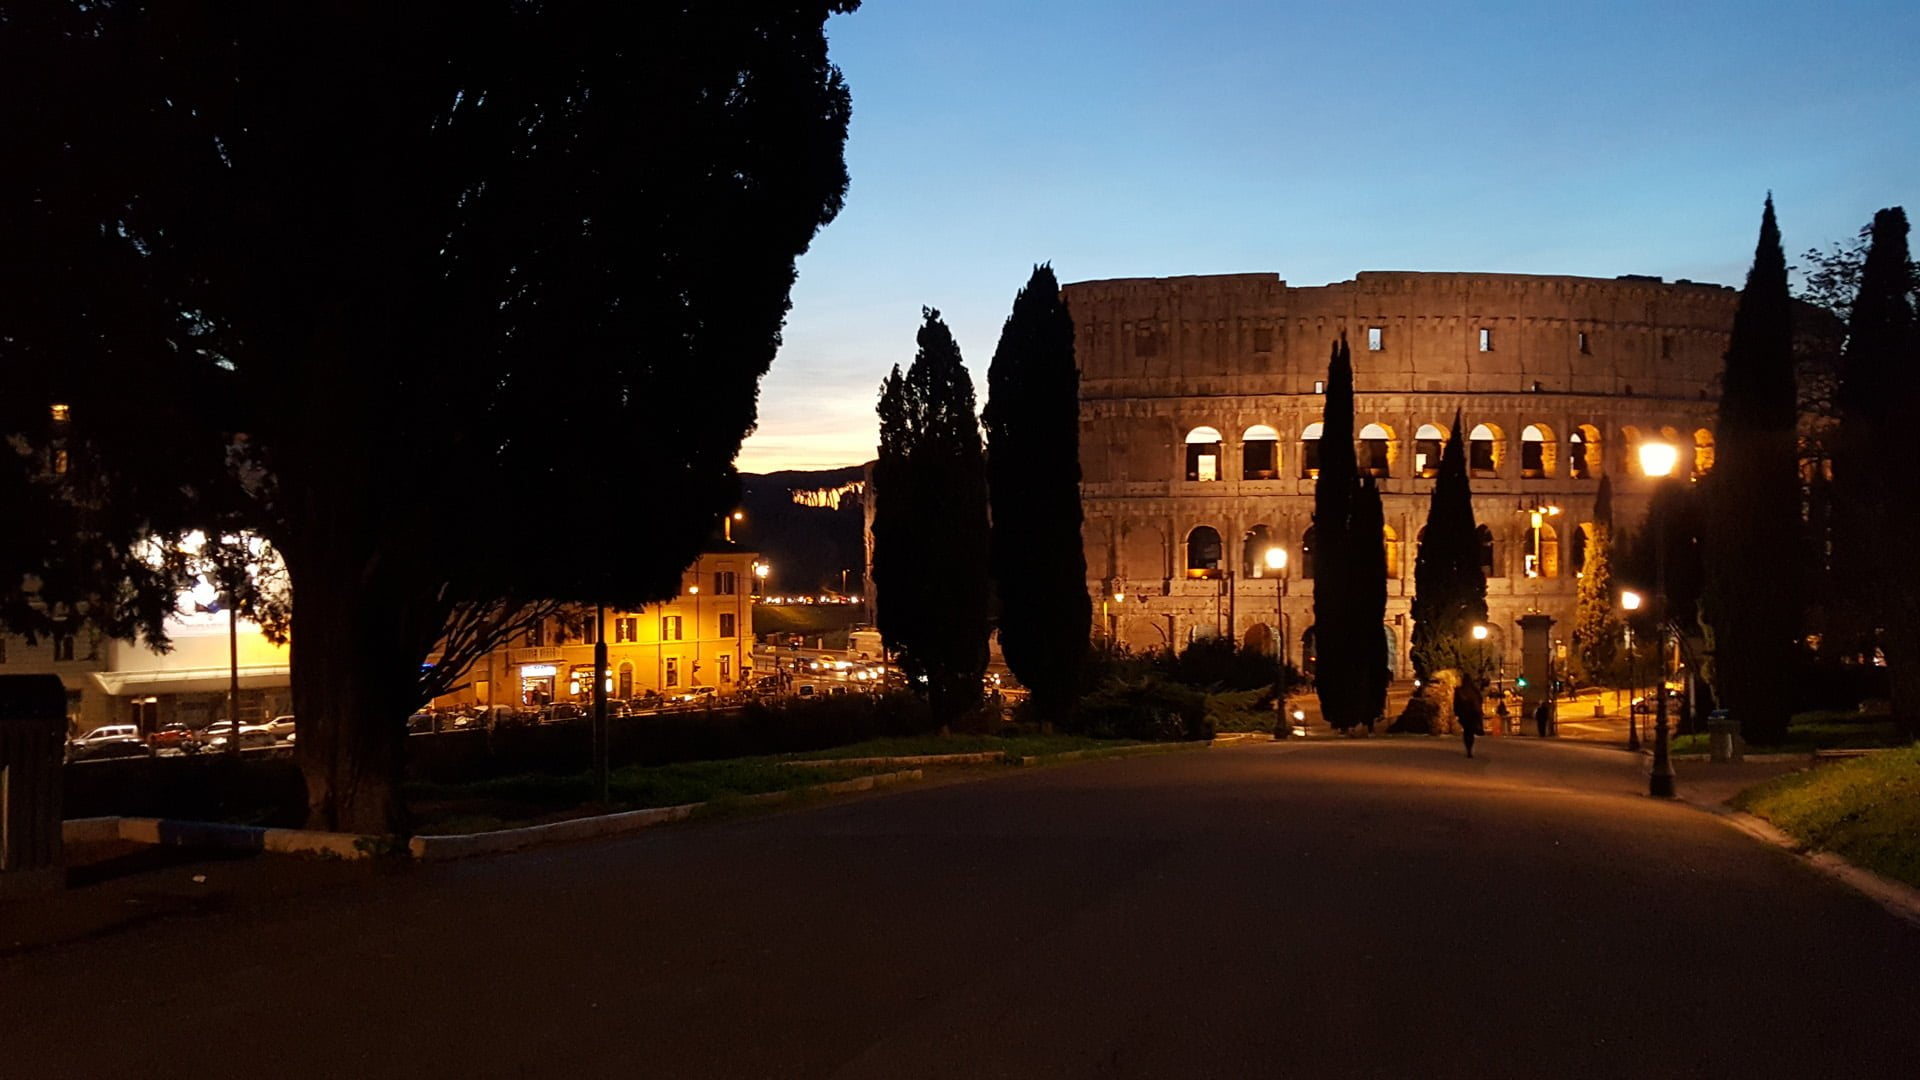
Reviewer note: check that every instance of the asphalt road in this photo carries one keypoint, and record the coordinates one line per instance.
(1381, 908)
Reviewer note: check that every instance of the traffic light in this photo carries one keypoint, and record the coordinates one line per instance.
(1521, 682)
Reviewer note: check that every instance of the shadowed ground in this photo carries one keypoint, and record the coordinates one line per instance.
(1369, 908)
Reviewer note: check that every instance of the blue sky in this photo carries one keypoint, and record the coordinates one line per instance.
(1125, 139)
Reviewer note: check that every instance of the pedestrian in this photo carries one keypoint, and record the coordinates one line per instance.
(1466, 709)
(1542, 717)
(1501, 715)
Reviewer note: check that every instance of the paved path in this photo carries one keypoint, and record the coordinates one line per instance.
(1348, 908)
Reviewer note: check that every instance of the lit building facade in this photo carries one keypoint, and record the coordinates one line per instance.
(1201, 404)
(702, 637)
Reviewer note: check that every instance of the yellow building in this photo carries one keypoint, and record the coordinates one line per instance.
(702, 637)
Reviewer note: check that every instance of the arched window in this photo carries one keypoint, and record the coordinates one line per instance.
(1489, 563)
(1584, 458)
(1376, 450)
(1203, 553)
(1538, 451)
(1255, 562)
(1260, 453)
(1391, 540)
(1310, 452)
(1485, 447)
(1203, 454)
(1702, 452)
(1577, 558)
(1306, 553)
(1428, 443)
(1544, 559)
(1630, 439)
(625, 685)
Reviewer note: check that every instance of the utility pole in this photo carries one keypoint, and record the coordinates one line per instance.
(601, 742)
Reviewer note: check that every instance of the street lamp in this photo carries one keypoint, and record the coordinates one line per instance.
(726, 524)
(1630, 601)
(1479, 633)
(1276, 559)
(760, 572)
(1657, 461)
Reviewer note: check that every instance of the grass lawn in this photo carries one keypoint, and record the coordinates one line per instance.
(1810, 731)
(535, 798)
(918, 745)
(1866, 810)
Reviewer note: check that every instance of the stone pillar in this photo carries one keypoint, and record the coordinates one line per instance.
(1536, 660)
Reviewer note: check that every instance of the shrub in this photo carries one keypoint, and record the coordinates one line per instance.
(1430, 710)
(1152, 710)
(1242, 710)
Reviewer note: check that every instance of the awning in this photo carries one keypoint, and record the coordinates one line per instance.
(189, 680)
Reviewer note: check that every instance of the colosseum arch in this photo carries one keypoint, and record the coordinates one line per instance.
(1204, 447)
(1377, 450)
(1538, 451)
(1630, 440)
(1585, 460)
(1702, 452)
(1260, 453)
(1310, 451)
(1486, 450)
(1544, 559)
(1253, 553)
(1489, 552)
(1204, 556)
(1429, 442)
(1307, 543)
(1391, 540)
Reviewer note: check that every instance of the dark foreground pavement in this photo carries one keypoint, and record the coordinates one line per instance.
(1380, 908)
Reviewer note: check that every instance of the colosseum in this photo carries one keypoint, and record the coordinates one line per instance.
(1200, 416)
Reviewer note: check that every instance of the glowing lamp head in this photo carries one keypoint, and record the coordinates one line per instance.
(693, 590)
(761, 570)
(738, 516)
(1630, 600)
(1276, 558)
(1119, 596)
(1658, 459)
(1479, 633)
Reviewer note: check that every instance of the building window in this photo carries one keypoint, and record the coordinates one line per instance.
(1486, 340)
(1585, 345)
(61, 413)
(1702, 452)
(1260, 453)
(1390, 540)
(723, 583)
(1310, 452)
(1376, 338)
(1428, 443)
(625, 683)
(726, 624)
(1263, 339)
(1376, 451)
(63, 647)
(1483, 450)
(1146, 342)
(626, 628)
(1203, 553)
(726, 668)
(1203, 454)
(1544, 559)
(670, 628)
(1489, 559)
(673, 671)
(1319, 386)
(1666, 346)
(590, 633)
(537, 635)
(1537, 451)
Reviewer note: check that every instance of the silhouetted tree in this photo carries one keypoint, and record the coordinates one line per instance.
(1879, 399)
(930, 533)
(1366, 533)
(1598, 636)
(1033, 461)
(1752, 596)
(1338, 674)
(446, 266)
(1449, 582)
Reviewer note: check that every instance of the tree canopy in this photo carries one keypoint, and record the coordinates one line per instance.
(396, 287)
(1449, 582)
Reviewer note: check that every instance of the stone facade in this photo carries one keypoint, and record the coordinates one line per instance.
(1558, 377)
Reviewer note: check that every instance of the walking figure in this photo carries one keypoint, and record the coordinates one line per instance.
(1543, 718)
(1466, 709)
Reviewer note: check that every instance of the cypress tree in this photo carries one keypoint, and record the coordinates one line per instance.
(930, 545)
(1033, 473)
(1597, 636)
(1367, 536)
(1754, 494)
(1449, 584)
(1338, 673)
(1879, 400)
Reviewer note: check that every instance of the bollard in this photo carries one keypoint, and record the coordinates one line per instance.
(1723, 738)
(33, 729)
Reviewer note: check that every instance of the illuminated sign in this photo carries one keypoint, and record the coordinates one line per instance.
(538, 671)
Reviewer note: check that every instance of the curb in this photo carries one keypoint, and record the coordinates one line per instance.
(985, 757)
(440, 848)
(207, 834)
(1899, 898)
(1117, 751)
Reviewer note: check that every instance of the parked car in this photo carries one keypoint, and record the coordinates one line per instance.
(1649, 703)
(563, 712)
(252, 736)
(281, 726)
(174, 739)
(694, 695)
(108, 748)
(108, 733)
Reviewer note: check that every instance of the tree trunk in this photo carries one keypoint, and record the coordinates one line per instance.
(353, 685)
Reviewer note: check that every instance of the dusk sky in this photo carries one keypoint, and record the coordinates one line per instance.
(1121, 139)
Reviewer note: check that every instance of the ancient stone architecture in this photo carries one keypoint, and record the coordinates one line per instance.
(1200, 410)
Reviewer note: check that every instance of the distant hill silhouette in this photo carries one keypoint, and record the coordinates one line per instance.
(793, 522)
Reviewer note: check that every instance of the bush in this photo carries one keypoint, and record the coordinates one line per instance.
(1430, 710)
(1152, 710)
(1242, 710)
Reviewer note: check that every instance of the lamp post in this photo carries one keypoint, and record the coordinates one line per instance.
(1276, 559)
(1657, 461)
(726, 524)
(760, 572)
(1630, 601)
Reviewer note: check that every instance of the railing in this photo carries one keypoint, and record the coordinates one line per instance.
(544, 655)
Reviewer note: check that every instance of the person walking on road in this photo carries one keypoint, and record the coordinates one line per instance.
(1543, 718)
(1466, 709)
